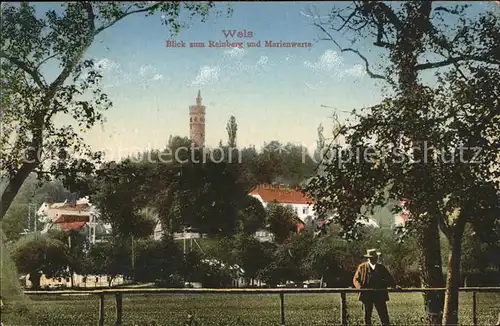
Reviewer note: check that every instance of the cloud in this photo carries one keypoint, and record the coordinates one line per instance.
(235, 52)
(335, 67)
(207, 75)
(356, 71)
(158, 77)
(230, 69)
(107, 64)
(327, 61)
(145, 69)
(262, 61)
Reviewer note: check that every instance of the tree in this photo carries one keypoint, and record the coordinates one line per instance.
(39, 254)
(289, 260)
(408, 33)
(204, 196)
(158, 261)
(251, 255)
(121, 192)
(77, 245)
(232, 128)
(480, 265)
(251, 215)
(320, 144)
(30, 140)
(282, 221)
(111, 258)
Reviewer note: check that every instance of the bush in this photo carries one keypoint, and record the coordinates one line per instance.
(215, 274)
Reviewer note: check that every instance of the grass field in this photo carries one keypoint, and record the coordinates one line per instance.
(233, 309)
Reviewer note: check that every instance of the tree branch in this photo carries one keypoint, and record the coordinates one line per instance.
(367, 64)
(45, 60)
(389, 14)
(125, 14)
(455, 60)
(37, 77)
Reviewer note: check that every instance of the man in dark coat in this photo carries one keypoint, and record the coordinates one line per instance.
(372, 275)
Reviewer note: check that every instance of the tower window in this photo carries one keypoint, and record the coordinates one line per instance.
(191, 119)
(194, 119)
(202, 119)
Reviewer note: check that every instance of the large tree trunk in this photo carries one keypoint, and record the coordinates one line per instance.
(13, 186)
(405, 55)
(431, 272)
(450, 314)
(35, 278)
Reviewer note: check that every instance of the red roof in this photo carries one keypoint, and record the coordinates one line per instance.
(72, 226)
(65, 218)
(281, 194)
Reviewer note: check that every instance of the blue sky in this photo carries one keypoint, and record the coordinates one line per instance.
(274, 93)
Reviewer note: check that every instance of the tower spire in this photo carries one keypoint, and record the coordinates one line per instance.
(198, 99)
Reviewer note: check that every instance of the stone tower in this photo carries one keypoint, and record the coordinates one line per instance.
(197, 122)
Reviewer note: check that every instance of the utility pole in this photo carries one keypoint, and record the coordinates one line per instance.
(133, 258)
(70, 269)
(184, 240)
(35, 215)
(29, 218)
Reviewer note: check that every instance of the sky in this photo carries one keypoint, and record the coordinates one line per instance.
(274, 93)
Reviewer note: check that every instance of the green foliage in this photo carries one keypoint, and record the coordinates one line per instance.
(251, 255)
(232, 128)
(31, 195)
(282, 221)
(334, 260)
(289, 260)
(158, 260)
(251, 215)
(30, 103)
(14, 306)
(120, 192)
(37, 254)
(421, 140)
(110, 258)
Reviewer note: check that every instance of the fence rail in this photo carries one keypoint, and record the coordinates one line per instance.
(118, 293)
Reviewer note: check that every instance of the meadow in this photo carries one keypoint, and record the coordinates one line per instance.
(238, 310)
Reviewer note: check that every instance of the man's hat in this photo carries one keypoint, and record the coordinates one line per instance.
(372, 253)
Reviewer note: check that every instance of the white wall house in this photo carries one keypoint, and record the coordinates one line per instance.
(300, 203)
(88, 281)
(78, 216)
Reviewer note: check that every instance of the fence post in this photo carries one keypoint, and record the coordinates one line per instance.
(101, 309)
(118, 297)
(474, 313)
(282, 308)
(343, 309)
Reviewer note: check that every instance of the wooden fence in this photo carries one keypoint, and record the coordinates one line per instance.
(118, 293)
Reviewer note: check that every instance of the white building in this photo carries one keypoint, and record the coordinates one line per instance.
(72, 216)
(81, 281)
(300, 203)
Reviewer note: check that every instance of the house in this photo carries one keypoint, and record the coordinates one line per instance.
(80, 281)
(79, 216)
(293, 197)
